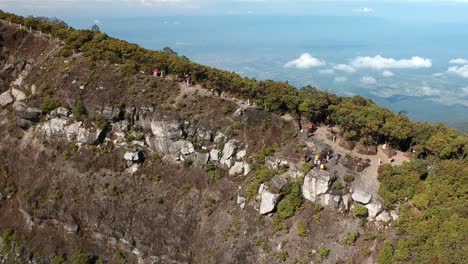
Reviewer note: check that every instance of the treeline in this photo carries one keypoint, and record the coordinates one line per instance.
(432, 227)
(360, 119)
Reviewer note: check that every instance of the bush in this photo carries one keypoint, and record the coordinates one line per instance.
(100, 122)
(360, 211)
(256, 177)
(302, 228)
(79, 111)
(82, 258)
(8, 236)
(48, 104)
(323, 253)
(212, 171)
(282, 255)
(348, 178)
(351, 238)
(288, 206)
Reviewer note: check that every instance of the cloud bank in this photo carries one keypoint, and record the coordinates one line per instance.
(344, 67)
(363, 10)
(461, 71)
(368, 80)
(380, 63)
(458, 61)
(305, 61)
(387, 74)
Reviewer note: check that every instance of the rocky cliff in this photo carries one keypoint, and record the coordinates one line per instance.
(102, 165)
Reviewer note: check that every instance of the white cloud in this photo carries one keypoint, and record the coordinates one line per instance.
(327, 71)
(461, 71)
(458, 61)
(344, 67)
(387, 74)
(305, 61)
(368, 80)
(341, 79)
(363, 10)
(379, 63)
(96, 21)
(464, 91)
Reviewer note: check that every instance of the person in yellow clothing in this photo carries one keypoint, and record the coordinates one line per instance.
(322, 166)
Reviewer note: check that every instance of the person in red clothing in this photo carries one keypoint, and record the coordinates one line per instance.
(310, 130)
(155, 72)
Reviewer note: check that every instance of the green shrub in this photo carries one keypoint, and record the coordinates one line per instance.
(82, 258)
(348, 178)
(323, 253)
(100, 122)
(8, 236)
(306, 167)
(212, 171)
(79, 111)
(48, 104)
(58, 259)
(282, 255)
(350, 238)
(288, 206)
(256, 177)
(360, 211)
(302, 228)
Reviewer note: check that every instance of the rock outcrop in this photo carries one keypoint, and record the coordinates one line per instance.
(316, 182)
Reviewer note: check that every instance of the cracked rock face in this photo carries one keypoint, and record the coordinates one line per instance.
(361, 196)
(268, 202)
(6, 98)
(316, 182)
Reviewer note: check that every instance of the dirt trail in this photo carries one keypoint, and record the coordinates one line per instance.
(367, 179)
(198, 89)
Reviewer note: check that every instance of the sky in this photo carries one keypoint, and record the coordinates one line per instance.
(404, 9)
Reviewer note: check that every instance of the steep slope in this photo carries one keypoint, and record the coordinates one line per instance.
(101, 162)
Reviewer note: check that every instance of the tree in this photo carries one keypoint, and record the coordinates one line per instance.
(169, 51)
(95, 28)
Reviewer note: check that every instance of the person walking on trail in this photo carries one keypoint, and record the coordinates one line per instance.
(187, 79)
(310, 130)
(155, 72)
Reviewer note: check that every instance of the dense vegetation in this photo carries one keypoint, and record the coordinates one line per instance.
(433, 225)
(359, 118)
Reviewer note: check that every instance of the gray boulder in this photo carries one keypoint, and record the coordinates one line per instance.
(277, 183)
(71, 228)
(236, 169)
(112, 114)
(60, 112)
(18, 95)
(316, 182)
(6, 98)
(229, 150)
(346, 201)
(384, 217)
(361, 196)
(374, 209)
(330, 201)
(268, 202)
(133, 157)
(214, 154)
(167, 130)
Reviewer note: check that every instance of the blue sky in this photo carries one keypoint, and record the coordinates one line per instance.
(437, 10)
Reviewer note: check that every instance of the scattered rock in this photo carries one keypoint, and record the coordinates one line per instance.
(241, 154)
(60, 112)
(228, 152)
(219, 138)
(330, 201)
(214, 154)
(201, 159)
(71, 228)
(236, 169)
(241, 201)
(23, 123)
(112, 114)
(383, 217)
(239, 112)
(6, 98)
(374, 209)
(169, 130)
(133, 157)
(361, 197)
(187, 148)
(268, 202)
(277, 183)
(316, 182)
(346, 201)
(18, 95)
(247, 168)
(394, 215)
